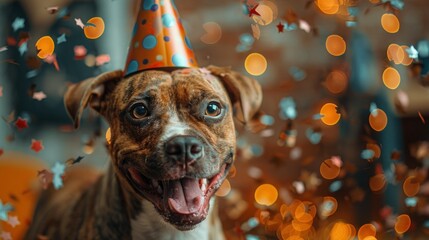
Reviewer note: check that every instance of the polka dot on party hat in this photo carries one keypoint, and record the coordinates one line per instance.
(159, 39)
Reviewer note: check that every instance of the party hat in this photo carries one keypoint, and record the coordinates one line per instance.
(159, 39)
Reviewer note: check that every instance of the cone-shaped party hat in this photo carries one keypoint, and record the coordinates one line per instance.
(159, 39)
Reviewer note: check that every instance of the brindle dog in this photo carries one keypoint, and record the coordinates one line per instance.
(172, 145)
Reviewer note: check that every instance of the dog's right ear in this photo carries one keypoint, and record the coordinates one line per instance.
(88, 92)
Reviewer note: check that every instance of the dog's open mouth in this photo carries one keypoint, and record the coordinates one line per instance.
(182, 202)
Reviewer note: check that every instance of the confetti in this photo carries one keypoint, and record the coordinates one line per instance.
(73, 161)
(412, 52)
(6, 235)
(13, 221)
(80, 52)
(252, 10)
(58, 171)
(1, 151)
(314, 136)
(256, 31)
(52, 59)
(36, 145)
(52, 10)
(102, 59)
(367, 154)
(18, 23)
(79, 23)
(61, 39)
(280, 27)
(1, 91)
(255, 64)
(23, 48)
(39, 96)
(422, 118)
(21, 123)
(2, 49)
(4, 210)
(288, 108)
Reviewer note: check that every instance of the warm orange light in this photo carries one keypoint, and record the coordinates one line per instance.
(341, 231)
(411, 186)
(366, 230)
(329, 170)
(45, 47)
(213, 33)
(407, 60)
(255, 64)
(335, 45)
(108, 136)
(403, 223)
(94, 28)
(328, 6)
(224, 189)
(336, 82)
(266, 15)
(266, 194)
(391, 78)
(395, 53)
(329, 114)
(377, 182)
(390, 23)
(301, 226)
(370, 238)
(378, 120)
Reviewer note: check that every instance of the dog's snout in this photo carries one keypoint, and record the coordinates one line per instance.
(184, 148)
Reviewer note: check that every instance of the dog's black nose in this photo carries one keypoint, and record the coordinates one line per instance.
(184, 148)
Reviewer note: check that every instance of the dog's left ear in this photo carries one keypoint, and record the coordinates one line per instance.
(88, 92)
(245, 95)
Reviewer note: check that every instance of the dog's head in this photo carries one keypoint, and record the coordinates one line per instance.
(172, 132)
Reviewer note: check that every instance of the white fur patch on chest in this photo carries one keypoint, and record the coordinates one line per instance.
(150, 225)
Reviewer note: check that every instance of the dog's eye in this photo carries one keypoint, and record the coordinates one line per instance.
(139, 111)
(213, 109)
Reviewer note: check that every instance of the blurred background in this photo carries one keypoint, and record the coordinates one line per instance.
(345, 151)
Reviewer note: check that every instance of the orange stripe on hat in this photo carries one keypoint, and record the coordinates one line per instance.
(159, 39)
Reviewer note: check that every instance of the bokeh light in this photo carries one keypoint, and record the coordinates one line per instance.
(390, 23)
(266, 194)
(411, 186)
(378, 120)
(335, 45)
(224, 189)
(377, 182)
(395, 53)
(213, 33)
(94, 28)
(267, 15)
(328, 207)
(255, 64)
(329, 113)
(45, 47)
(366, 230)
(328, 6)
(403, 223)
(391, 78)
(406, 60)
(336, 81)
(341, 231)
(329, 170)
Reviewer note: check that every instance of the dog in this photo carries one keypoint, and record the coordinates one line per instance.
(173, 141)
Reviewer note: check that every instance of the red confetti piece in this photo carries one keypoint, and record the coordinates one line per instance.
(52, 59)
(21, 123)
(1, 151)
(280, 27)
(102, 59)
(252, 11)
(36, 145)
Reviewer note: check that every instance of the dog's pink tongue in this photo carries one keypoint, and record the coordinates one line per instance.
(184, 195)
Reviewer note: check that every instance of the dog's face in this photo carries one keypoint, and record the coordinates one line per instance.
(172, 132)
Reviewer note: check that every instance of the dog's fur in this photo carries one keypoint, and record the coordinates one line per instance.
(113, 206)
